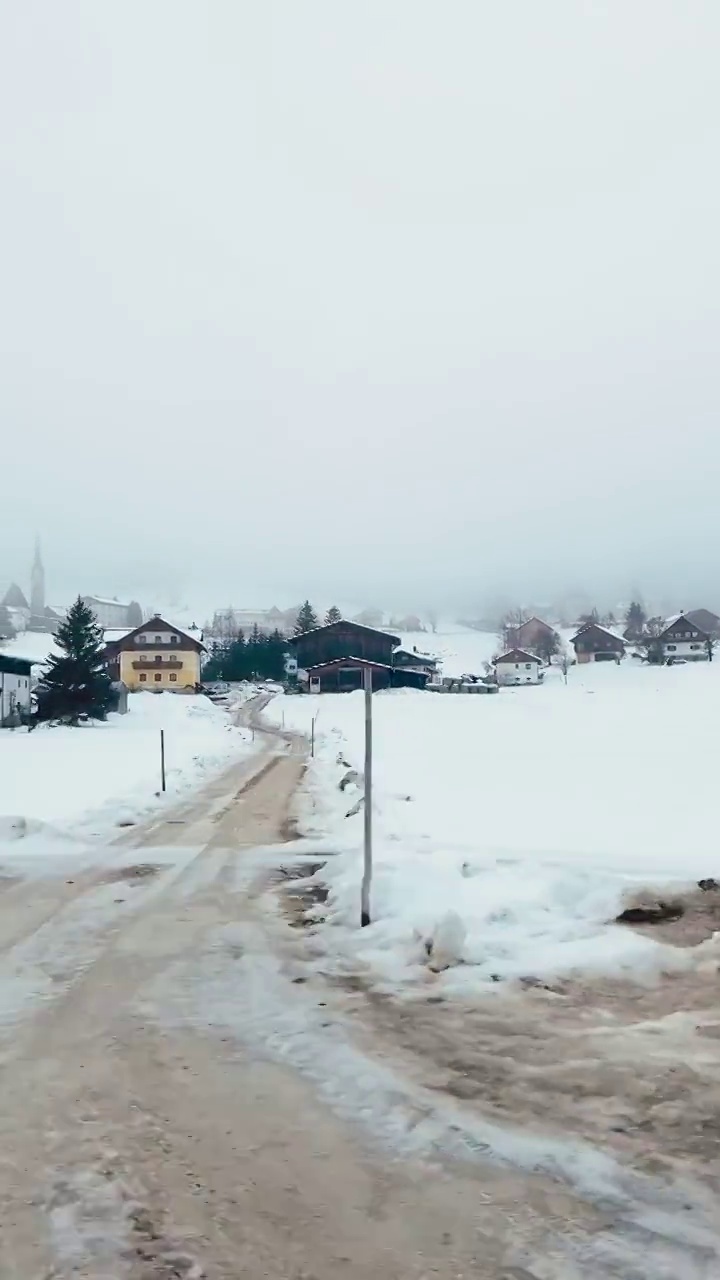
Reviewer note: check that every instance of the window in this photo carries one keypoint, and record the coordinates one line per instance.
(528, 666)
(695, 646)
(158, 677)
(143, 678)
(158, 657)
(173, 677)
(672, 646)
(174, 639)
(141, 639)
(158, 639)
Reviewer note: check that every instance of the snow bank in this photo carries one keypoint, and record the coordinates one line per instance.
(530, 814)
(89, 778)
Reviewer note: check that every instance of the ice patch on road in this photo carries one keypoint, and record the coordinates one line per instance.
(238, 988)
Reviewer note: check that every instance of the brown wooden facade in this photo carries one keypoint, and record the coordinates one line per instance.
(594, 644)
(343, 640)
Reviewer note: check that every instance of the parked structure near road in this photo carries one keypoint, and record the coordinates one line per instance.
(684, 639)
(594, 643)
(517, 666)
(15, 686)
(156, 656)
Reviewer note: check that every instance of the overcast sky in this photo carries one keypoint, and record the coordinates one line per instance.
(367, 299)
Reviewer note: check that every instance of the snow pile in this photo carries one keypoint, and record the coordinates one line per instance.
(89, 778)
(530, 815)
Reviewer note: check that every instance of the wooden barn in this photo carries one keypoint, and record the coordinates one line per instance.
(594, 643)
(335, 657)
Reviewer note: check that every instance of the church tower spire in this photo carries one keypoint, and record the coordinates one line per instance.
(37, 584)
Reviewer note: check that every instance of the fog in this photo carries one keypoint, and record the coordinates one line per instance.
(393, 301)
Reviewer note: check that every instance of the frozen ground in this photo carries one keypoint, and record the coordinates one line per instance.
(84, 781)
(529, 815)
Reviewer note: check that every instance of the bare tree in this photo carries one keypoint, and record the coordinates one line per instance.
(432, 618)
(509, 625)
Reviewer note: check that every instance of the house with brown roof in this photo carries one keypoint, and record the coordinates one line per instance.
(706, 620)
(534, 634)
(333, 658)
(594, 643)
(156, 656)
(684, 639)
(517, 666)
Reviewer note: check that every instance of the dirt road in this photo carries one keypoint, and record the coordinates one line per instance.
(177, 1101)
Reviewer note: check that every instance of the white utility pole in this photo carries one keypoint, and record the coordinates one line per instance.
(367, 868)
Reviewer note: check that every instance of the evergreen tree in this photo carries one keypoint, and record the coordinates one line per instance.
(635, 620)
(134, 614)
(306, 619)
(7, 630)
(333, 615)
(76, 682)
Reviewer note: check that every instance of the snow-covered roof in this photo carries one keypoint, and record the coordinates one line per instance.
(326, 626)
(517, 655)
(114, 634)
(121, 604)
(335, 662)
(599, 626)
(111, 634)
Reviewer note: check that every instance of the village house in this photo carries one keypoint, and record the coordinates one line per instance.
(706, 620)
(109, 613)
(15, 686)
(517, 666)
(533, 634)
(413, 659)
(334, 658)
(594, 643)
(682, 638)
(156, 656)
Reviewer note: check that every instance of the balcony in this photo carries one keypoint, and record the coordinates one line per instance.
(149, 664)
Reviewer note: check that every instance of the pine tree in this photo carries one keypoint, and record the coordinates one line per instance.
(306, 619)
(333, 615)
(635, 621)
(76, 682)
(134, 614)
(7, 630)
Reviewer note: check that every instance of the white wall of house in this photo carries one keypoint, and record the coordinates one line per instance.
(151, 637)
(518, 672)
(695, 650)
(14, 694)
(109, 613)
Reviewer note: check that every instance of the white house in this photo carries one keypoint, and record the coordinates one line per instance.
(684, 639)
(109, 613)
(518, 667)
(15, 674)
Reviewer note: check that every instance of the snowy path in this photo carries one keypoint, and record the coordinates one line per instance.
(178, 1104)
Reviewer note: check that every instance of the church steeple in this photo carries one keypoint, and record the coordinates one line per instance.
(37, 584)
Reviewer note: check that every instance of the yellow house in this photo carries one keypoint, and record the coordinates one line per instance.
(156, 656)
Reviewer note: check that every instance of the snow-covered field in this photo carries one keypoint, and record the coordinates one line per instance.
(84, 781)
(530, 814)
